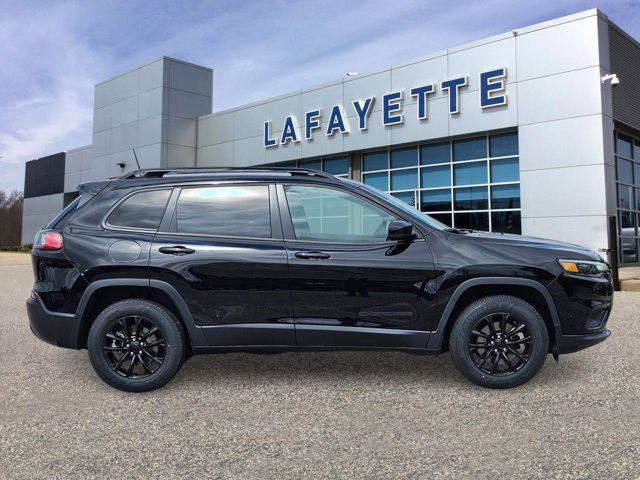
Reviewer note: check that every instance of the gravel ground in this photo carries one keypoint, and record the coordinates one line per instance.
(316, 415)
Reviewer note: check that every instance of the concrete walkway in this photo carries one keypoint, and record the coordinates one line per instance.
(630, 279)
(15, 258)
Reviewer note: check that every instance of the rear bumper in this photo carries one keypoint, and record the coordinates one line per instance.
(60, 329)
(574, 343)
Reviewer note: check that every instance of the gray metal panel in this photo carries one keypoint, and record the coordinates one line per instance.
(625, 62)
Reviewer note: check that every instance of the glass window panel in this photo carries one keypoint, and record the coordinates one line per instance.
(141, 210)
(442, 217)
(439, 176)
(472, 221)
(407, 197)
(625, 197)
(470, 173)
(636, 174)
(470, 149)
(375, 161)
(336, 166)
(474, 198)
(293, 164)
(505, 196)
(404, 157)
(629, 248)
(623, 146)
(505, 170)
(229, 211)
(627, 223)
(404, 179)
(343, 217)
(504, 144)
(637, 198)
(506, 222)
(435, 153)
(636, 150)
(625, 170)
(435, 200)
(378, 180)
(311, 164)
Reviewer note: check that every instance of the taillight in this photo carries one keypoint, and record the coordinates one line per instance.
(47, 241)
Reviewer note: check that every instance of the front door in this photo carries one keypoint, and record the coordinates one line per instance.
(221, 248)
(350, 286)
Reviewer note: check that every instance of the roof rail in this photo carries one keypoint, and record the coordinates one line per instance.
(170, 172)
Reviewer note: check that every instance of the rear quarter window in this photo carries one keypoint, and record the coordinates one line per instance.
(141, 210)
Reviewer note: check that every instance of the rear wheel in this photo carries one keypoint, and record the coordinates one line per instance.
(499, 342)
(136, 345)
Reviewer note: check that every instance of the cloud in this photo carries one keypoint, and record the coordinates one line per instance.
(52, 54)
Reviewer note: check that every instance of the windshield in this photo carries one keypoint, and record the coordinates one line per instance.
(408, 209)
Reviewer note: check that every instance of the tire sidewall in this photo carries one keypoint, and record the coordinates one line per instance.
(461, 335)
(169, 328)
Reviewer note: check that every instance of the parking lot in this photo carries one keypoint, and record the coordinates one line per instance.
(315, 415)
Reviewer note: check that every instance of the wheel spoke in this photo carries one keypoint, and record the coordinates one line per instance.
(144, 364)
(520, 357)
(503, 322)
(484, 359)
(516, 329)
(116, 365)
(521, 340)
(491, 325)
(478, 333)
(512, 367)
(130, 369)
(495, 363)
(149, 333)
(114, 349)
(157, 343)
(123, 323)
(116, 338)
(158, 360)
(136, 328)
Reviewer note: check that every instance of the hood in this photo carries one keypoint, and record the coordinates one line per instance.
(541, 244)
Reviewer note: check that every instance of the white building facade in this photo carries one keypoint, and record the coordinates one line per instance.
(516, 133)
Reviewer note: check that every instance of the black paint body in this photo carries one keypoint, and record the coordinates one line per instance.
(248, 293)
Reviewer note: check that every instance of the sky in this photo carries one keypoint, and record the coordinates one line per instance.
(52, 53)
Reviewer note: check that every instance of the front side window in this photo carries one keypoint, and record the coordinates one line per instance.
(142, 210)
(330, 215)
(232, 211)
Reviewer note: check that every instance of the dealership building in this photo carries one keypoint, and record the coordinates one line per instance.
(535, 132)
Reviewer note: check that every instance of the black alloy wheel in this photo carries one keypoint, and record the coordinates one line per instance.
(499, 341)
(134, 346)
(500, 344)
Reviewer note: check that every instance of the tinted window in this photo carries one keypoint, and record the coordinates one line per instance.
(379, 180)
(325, 214)
(470, 173)
(435, 153)
(623, 146)
(470, 149)
(141, 210)
(504, 144)
(337, 166)
(236, 211)
(436, 176)
(507, 170)
(374, 161)
(404, 157)
(404, 179)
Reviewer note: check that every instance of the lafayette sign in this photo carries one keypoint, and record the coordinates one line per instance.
(491, 93)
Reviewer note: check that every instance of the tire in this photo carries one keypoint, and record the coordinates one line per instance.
(144, 360)
(519, 333)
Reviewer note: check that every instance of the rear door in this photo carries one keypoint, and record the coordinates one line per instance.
(350, 286)
(221, 247)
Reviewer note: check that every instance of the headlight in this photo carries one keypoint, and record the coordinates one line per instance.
(584, 267)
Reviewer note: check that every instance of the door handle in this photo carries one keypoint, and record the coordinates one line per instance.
(177, 250)
(313, 255)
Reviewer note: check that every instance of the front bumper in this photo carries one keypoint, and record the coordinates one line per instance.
(60, 329)
(574, 343)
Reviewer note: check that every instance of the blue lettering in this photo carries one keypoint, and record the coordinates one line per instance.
(390, 104)
(490, 83)
(363, 109)
(337, 121)
(452, 87)
(289, 132)
(268, 142)
(421, 93)
(311, 122)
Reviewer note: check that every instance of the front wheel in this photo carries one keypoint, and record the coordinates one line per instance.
(499, 342)
(136, 345)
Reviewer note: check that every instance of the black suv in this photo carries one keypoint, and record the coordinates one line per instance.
(148, 269)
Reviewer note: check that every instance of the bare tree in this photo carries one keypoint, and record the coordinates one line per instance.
(10, 219)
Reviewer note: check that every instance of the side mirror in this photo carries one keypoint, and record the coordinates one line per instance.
(400, 231)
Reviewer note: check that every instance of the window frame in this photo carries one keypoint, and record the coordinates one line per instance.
(287, 220)
(168, 226)
(108, 226)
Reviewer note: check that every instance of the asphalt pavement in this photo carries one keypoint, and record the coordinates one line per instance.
(316, 415)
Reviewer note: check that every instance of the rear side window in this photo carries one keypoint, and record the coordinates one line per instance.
(141, 210)
(234, 211)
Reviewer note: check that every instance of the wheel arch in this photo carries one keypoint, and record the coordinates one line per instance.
(530, 291)
(102, 293)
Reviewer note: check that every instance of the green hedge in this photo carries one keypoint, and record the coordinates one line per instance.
(25, 248)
